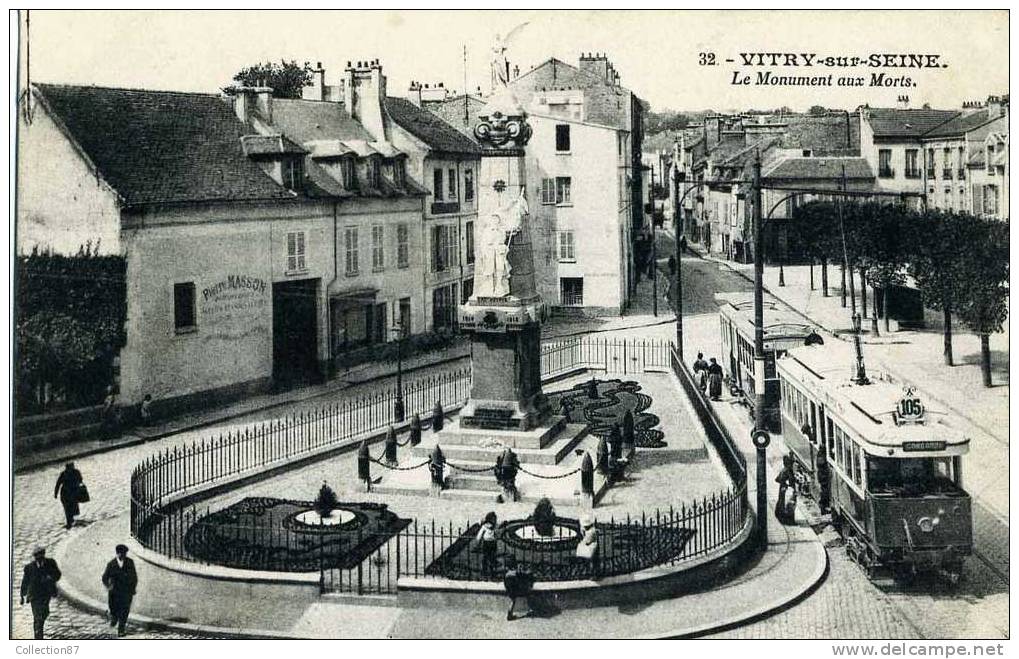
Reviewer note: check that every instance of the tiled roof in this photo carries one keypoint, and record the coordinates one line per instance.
(326, 149)
(429, 127)
(451, 111)
(306, 121)
(890, 122)
(158, 147)
(827, 133)
(961, 124)
(604, 104)
(270, 145)
(820, 168)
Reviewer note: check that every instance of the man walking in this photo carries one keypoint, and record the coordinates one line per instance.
(38, 586)
(120, 580)
(68, 489)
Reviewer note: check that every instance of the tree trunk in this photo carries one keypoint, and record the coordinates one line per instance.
(948, 334)
(985, 358)
(884, 303)
(811, 273)
(842, 268)
(863, 290)
(824, 277)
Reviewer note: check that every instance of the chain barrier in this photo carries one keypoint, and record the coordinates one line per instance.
(549, 478)
(383, 464)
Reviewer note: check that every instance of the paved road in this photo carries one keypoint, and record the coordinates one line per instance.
(848, 605)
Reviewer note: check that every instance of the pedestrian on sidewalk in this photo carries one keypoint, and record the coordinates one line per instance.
(487, 544)
(785, 511)
(70, 488)
(715, 374)
(700, 371)
(823, 481)
(38, 587)
(121, 582)
(145, 411)
(110, 415)
(518, 583)
(682, 244)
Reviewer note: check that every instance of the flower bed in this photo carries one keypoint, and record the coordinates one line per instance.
(614, 399)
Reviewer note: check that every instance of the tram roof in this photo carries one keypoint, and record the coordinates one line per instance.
(826, 372)
(779, 322)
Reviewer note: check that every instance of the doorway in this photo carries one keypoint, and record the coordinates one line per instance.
(295, 333)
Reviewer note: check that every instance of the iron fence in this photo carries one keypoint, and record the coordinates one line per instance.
(610, 355)
(164, 486)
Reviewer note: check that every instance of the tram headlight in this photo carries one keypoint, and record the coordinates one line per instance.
(926, 524)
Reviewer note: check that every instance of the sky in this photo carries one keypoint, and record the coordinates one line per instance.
(655, 52)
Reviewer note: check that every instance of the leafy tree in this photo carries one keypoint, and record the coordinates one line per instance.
(287, 79)
(937, 266)
(984, 270)
(817, 110)
(890, 250)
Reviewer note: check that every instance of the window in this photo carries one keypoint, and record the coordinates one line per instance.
(562, 190)
(547, 191)
(378, 248)
(403, 320)
(857, 472)
(437, 184)
(350, 248)
(293, 173)
(295, 252)
(444, 248)
(571, 291)
(468, 185)
(399, 173)
(468, 290)
(884, 166)
(452, 185)
(444, 307)
(947, 173)
(566, 247)
(912, 166)
(562, 137)
(184, 307)
(469, 229)
(930, 163)
(372, 171)
(347, 174)
(402, 246)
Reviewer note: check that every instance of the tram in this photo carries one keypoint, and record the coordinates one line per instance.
(895, 463)
(783, 330)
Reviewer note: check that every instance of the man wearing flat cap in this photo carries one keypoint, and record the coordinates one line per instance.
(38, 586)
(120, 580)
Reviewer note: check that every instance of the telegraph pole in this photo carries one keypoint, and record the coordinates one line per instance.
(760, 434)
(654, 249)
(677, 221)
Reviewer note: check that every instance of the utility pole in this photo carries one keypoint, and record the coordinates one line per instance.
(654, 249)
(677, 214)
(760, 434)
(861, 370)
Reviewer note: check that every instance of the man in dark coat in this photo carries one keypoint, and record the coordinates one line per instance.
(715, 374)
(68, 489)
(38, 586)
(120, 580)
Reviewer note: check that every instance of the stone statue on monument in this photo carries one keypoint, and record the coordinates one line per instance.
(492, 270)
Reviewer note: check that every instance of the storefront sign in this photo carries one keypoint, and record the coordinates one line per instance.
(235, 293)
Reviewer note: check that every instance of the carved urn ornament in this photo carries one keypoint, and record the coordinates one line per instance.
(499, 130)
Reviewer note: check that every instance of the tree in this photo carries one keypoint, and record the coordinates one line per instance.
(890, 251)
(937, 266)
(984, 304)
(817, 110)
(287, 79)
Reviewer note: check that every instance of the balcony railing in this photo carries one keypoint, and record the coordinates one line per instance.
(445, 207)
(946, 173)
(572, 298)
(930, 172)
(912, 173)
(962, 174)
(886, 172)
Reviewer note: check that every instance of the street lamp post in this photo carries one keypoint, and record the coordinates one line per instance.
(654, 250)
(398, 407)
(760, 434)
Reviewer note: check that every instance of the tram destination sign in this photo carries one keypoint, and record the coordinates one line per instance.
(910, 409)
(916, 447)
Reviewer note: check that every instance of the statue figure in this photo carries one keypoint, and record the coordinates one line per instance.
(500, 64)
(492, 269)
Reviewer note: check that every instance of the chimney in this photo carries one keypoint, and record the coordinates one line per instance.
(414, 93)
(902, 103)
(433, 93)
(996, 106)
(596, 64)
(252, 100)
(316, 91)
(364, 92)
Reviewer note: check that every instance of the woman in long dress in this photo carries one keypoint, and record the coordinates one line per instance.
(714, 380)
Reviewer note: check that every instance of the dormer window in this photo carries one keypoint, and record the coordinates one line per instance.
(293, 173)
(347, 174)
(399, 173)
(372, 174)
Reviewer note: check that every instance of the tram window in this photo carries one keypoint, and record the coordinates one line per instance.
(831, 441)
(908, 476)
(838, 449)
(857, 478)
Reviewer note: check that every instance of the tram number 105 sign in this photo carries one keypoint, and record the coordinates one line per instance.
(910, 409)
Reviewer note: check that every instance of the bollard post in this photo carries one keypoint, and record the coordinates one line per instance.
(587, 476)
(437, 418)
(629, 439)
(436, 464)
(364, 465)
(615, 443)
(391, 446)
(415, 430)
(602, 456)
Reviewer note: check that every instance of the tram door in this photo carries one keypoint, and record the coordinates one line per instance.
(813, 436)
